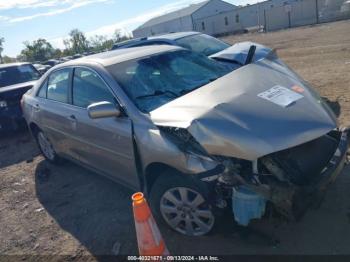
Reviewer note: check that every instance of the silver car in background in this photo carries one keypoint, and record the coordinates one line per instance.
(192, 132)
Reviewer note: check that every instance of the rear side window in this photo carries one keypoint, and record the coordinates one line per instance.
(88, 88)
(57, 88)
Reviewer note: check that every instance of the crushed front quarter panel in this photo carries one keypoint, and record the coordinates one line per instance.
(163, 151)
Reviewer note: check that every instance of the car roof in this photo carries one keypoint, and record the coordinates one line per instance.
(121, 55)
(173, 36)
(13, 64)
(170, 36)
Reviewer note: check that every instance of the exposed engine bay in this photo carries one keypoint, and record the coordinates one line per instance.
(291, 180)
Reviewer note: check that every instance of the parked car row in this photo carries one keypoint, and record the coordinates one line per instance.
(197, 42)
(15, 80)
(42, 68)
(53, 62)
(198, 129)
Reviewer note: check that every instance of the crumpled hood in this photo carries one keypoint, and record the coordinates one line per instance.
(229, 117)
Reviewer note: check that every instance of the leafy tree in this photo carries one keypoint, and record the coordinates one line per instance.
(119, 37)
(78, 42)
(68, 48)
(6, 59)
(57, 53)
(2, 40)
(100, 43)
(38, 50)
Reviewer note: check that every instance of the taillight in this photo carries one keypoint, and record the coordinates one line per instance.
(3, 104)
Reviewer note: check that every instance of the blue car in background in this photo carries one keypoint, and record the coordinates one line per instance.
(15, 80)
(207, 45)
(194, 41)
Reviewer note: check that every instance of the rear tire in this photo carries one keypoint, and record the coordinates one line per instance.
(46, 148)
(181, 202)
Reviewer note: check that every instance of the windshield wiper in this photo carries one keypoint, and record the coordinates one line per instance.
(158, 93)
(250, 55)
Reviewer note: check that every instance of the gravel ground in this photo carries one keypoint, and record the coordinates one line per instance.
(67, 210)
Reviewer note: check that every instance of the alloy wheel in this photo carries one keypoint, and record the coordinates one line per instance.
(186, 211)
(46, 147)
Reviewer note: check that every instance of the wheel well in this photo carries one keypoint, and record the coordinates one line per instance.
(154, 170)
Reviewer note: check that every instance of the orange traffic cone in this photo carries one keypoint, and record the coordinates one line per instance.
(149, 239)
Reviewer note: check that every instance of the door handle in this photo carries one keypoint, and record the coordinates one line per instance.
(72, 118)
(36, 108)
(73, 122)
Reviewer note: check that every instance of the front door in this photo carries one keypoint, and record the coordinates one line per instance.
(105, 144)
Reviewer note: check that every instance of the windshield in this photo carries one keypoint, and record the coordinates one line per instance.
(17, 74)
(201, 43)
(153, 81)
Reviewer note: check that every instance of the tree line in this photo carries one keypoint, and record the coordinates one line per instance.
(76, 43)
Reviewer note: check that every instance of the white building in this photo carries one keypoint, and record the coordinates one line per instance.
(184, 19)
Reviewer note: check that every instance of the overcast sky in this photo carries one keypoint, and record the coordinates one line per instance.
(22, 20)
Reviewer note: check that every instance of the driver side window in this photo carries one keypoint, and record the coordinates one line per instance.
(88, 88)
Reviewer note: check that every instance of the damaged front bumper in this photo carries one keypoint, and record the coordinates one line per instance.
(337, 162)
(288, 199)
(305, 196)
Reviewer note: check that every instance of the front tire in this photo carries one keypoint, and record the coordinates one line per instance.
(181, 202)
(46, 148)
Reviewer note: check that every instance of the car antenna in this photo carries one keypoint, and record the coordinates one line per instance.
(250, 55)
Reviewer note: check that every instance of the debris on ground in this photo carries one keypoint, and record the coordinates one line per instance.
(116, 248)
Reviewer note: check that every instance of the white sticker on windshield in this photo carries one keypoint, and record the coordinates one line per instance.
(281, 96)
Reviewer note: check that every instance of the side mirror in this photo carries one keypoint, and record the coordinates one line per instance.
(103, 109)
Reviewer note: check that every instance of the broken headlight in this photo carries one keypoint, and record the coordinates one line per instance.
(184, 140)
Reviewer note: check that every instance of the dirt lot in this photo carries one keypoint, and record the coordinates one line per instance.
(46, 209)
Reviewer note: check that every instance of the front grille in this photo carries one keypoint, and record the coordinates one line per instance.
(303, 164)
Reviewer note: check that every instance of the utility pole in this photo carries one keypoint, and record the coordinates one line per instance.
(317, 18)
(258, 13)
(265, 26)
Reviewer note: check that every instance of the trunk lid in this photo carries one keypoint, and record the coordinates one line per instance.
(13, 94)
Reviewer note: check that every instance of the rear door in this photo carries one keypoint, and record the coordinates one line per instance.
(104, 144)
(52, 109)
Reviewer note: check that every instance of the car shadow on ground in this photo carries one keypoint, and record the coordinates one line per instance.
(15, 147)
(98, 213)
(95, 210)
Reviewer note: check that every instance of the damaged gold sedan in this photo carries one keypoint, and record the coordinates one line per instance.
(237, 130)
